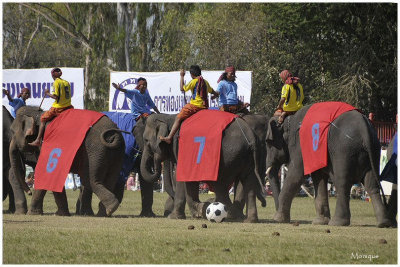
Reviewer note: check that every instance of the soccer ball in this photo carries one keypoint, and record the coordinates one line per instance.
(216, 212)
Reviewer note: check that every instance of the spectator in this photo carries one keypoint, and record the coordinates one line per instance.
(18, 102)
(130, 183)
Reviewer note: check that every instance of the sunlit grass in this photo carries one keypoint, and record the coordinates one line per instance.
(127, 239)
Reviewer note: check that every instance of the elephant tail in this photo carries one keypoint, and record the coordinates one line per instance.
(371, 142)
(112, 139)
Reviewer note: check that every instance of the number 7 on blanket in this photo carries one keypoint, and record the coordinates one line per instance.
(202, 141)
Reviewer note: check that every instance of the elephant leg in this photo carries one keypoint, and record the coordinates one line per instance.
(250, 191)
(21, 206)
(11, 201)
(392, 206)
(372, 187)
(104, 191)
(179, 202)
(146, 192)
(290, 188)
(321, 199)
(62, 203)
(342, 211)
(118, 192)
(36, 207)
(236, 211)
(275, 185)
(168, 206)
(84, 202)
(197, 208)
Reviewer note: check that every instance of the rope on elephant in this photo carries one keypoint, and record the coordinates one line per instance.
(243, 132)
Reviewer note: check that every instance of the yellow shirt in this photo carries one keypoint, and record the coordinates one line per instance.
(293, 104)
(196, 99)
(62, 89)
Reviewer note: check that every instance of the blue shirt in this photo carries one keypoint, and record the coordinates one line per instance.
(15, 104)
(227, 93)
(141, 103)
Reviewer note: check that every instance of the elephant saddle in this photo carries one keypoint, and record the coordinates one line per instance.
(62, 139)
(200, 139)
(314, 133)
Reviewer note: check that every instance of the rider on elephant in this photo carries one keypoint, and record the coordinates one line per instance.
(62, 97)
(199, 100)
(140, 99)
(227, 89)
(18, 102)
(292, 96)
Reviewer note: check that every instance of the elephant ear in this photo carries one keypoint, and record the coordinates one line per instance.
(24, 123)
(272, 130)
(274, 133)
(162, 130)
(29, 126)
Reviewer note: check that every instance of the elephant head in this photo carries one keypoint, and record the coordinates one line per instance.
(155, 151)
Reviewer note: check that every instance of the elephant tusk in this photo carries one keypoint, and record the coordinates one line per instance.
(268, 170)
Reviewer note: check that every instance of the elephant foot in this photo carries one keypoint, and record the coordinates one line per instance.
(200, 210)
(321, 221)
(113, 207)
(177, 216)
(86, 213)
(281, 218)
(35, 212)
(62, 213)
(235, 214)
(8, 211)
(387, 223)
(167, 212)
(251, 220)
(339, 222)
(148, 214)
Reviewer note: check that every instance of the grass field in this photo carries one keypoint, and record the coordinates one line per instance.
(127, 239)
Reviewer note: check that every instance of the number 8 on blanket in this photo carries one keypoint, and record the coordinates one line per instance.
(202, 141)
(315, 135)
(53, 160)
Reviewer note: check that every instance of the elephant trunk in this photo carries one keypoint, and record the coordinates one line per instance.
(150, 166)
(17, 166)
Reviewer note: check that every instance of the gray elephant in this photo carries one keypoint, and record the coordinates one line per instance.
(240, 161)
(7, 190)
(97, 161)
(172, 187)
(353, 157)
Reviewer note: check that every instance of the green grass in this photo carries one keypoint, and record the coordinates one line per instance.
(127, 239)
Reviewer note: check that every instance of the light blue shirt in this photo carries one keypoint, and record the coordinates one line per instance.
(141, 103)
(227, 93)
(15, 104)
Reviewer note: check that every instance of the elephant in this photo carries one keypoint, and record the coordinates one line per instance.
(131, 162)
(97, 161)
(353, 157)
(170, 185)
(239, 161)
(7, 190)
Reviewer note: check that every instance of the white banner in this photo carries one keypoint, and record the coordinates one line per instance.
(164, 89)
(37, 80)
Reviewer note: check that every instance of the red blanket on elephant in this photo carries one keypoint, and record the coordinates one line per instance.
(314, 133)
(62, 139)
(200, 145)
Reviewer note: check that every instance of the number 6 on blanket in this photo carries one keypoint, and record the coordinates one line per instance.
(202, 141)
(53, 159)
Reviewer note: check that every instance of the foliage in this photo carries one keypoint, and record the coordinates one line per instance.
(128, 239)
(341, 51)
